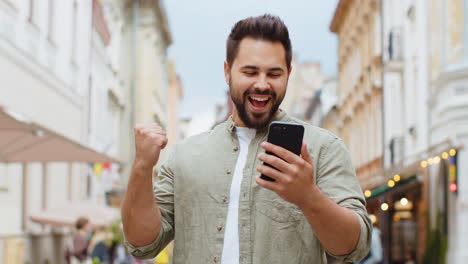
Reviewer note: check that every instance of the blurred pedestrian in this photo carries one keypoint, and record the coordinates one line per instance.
(209, 195)
(98, 248)
(79, 251)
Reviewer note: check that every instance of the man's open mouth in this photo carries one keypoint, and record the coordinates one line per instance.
(259, 103)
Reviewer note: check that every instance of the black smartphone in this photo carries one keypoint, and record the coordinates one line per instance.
(286, 135)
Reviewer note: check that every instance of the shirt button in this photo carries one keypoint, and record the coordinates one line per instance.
(236, 148)
(220, 228)
(228, 171)
(216, 259)
(225, 199)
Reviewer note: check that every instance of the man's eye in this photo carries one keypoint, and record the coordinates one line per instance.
(250, 73)
(274, 74)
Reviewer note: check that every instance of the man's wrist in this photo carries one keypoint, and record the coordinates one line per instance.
(142, 167)
(312, 200)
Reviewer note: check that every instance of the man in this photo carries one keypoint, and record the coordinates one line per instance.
(209, 197)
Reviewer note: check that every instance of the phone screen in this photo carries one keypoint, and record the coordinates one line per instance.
(286, 135)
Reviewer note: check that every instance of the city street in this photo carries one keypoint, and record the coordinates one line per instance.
(388, 78)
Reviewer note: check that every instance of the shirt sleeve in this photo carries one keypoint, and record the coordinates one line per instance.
(336, 178)
(164, 194)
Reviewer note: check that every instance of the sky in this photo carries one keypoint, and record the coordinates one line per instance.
(200, 28)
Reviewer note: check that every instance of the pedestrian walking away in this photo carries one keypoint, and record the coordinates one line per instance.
(208, 195)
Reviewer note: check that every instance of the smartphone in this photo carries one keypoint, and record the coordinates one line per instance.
(286, 135)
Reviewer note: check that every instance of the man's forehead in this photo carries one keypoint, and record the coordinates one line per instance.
(260, 53)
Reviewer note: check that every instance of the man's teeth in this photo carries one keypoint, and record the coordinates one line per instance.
(259, 99)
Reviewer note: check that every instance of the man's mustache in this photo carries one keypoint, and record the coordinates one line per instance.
(260, 92)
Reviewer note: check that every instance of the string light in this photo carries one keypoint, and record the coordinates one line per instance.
(384, 206)
(368, 193)
(430, 161)
(404, 201)
(423, 164)
(452, 152)
(396, 178)
(445, 155)
(436, 160)
(391, 183)
(453, 187)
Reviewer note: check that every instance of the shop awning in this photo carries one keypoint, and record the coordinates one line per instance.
(400, 186)
(66, 215)
(22, 140)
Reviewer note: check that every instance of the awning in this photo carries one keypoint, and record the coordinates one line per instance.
(24, 141)
(401, 186)
(67, 214)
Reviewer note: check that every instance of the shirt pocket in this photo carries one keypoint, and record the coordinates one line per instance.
(276, 236)
(279, 211)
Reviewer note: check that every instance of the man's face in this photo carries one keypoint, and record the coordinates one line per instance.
(257, 81)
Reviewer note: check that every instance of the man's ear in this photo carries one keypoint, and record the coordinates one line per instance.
(227, 72)
(290, 70)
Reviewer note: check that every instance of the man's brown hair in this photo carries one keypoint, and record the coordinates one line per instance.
(266, 27)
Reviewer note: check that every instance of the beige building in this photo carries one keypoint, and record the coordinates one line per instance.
(144, 69)
(419, 144)
(151, 67)
(175, 95)
(47, 52)
(305, 80)
(359, 109)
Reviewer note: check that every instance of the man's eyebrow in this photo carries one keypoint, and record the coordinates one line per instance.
(250, 67)
(276, 69)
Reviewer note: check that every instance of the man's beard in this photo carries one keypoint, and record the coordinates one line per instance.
(255, 120)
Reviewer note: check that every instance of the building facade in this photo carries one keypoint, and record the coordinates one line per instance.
(357, 25)
(305, 80)
(82, 71)
(447, 94)
(45, 61)
(414, 190)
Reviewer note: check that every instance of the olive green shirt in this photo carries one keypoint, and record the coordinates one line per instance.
(192, 193)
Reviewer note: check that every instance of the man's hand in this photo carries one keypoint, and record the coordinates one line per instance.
(141, 216)
(149, 140)
(295, 183)
(294, 175)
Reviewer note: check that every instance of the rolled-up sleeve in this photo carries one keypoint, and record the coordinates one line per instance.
(336, 177)
(164, 194)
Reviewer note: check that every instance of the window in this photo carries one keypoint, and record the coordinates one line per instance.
(74, 31)
(32, 12)
(51, 20)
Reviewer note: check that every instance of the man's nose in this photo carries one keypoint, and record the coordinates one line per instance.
(262, 82)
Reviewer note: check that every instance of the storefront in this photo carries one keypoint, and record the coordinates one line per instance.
(412, 207)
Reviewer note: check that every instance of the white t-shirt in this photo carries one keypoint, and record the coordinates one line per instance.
(231, 234)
